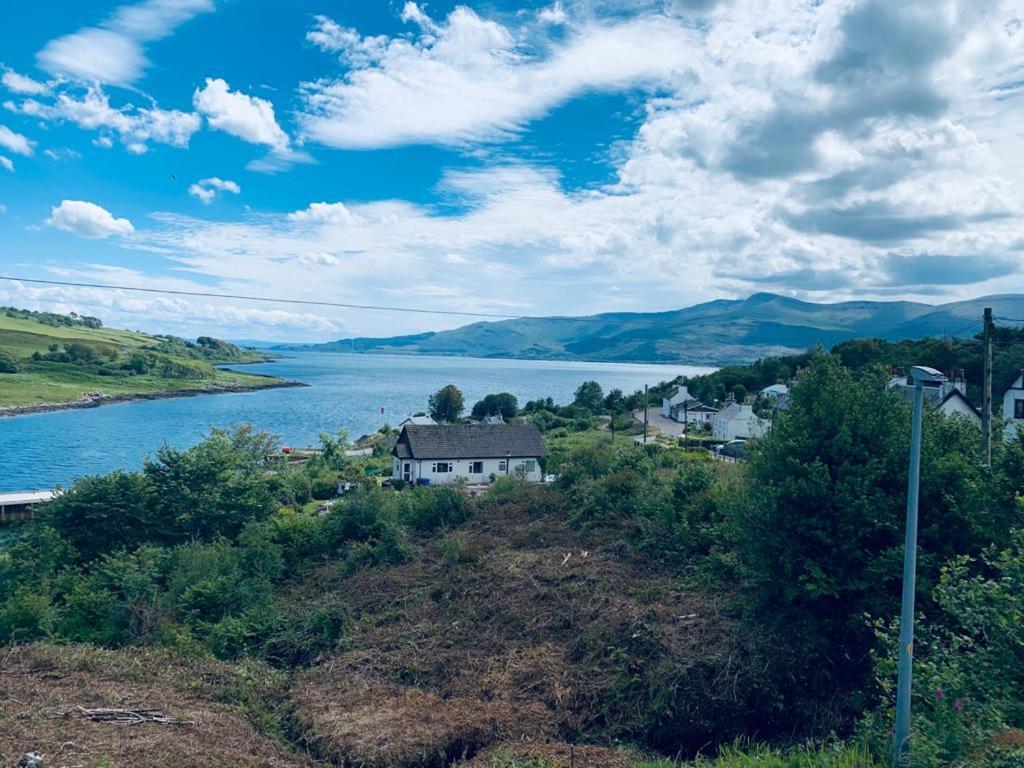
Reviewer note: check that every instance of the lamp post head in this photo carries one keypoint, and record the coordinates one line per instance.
(925, 375)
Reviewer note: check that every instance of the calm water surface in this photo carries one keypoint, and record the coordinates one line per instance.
(346, 392)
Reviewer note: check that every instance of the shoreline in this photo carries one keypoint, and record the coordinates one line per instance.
(12, 411)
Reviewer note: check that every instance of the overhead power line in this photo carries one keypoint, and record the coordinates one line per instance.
(343, 305)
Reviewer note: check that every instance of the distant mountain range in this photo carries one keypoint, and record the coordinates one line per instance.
(714, 333)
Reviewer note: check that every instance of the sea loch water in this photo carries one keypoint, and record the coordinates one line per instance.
(345, 392)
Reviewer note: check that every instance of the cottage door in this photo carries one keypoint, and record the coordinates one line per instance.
(407, 471)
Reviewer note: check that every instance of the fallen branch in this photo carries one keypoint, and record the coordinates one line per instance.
(129, 716)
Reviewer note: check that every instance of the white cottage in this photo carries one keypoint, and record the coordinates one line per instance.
(738, 421)
(445, 453)
(773, 391)
(949, 396)
(1013, 407)
(956, 404)
(679, 405)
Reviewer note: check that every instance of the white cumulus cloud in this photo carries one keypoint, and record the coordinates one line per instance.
(250, 118)
(553, 14)
(87, 220)
(6, 163)
(206, 189)
(324, 213)
(135, 127)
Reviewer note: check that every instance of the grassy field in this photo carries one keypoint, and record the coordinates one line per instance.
(167, 365)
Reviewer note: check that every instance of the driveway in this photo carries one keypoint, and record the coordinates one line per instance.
(656, 421)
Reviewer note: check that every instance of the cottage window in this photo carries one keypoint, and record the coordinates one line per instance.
(531, 465)
(442, 467)
(476, 467)
(503, 466)
(1018, 409)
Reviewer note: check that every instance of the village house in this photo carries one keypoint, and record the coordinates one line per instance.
(1013, 407)
(476, 453)
(679, 405)
(420, 419)
(948, 396)
(774, 391)
(738, 421)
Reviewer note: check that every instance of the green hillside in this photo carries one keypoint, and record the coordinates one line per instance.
(714, 333)
(51, 359)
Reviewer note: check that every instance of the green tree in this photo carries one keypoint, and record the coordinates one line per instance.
(739, 392)
(503, 403)
(820, 530)
(214, 488)
(100, 514)
(614, 401)
(446, 404)
(590, 396)
(8, 363)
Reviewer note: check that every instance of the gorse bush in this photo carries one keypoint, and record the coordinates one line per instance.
(196, 550)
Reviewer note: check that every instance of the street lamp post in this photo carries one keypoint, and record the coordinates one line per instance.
(901, 741)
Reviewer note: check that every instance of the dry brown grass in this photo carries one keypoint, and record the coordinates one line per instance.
(42, 686)
(515, 642)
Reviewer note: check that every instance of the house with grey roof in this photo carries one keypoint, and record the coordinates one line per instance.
(737, 421)
(948, 396)
(679, 405)
(418, 419)
(436, 454)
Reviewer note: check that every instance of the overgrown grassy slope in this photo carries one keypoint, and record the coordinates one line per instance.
(60, 364)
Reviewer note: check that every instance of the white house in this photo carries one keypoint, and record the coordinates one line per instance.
(1013, 407)
(956, 404)
(443, 453)
(774, 390)
(738, 420)
(679, 405)
(949, 396)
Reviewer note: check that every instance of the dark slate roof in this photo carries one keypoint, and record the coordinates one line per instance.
(469, 441)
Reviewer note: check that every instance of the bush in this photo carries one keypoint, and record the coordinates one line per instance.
(434, 509)
(8, 362)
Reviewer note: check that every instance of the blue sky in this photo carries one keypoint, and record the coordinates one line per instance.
(525, 158)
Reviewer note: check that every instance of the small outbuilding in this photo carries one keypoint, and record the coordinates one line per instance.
(18, 505)
(476, 453)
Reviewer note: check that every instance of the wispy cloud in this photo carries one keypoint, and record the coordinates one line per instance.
(114, 52)
(468, 78)
(15, 142)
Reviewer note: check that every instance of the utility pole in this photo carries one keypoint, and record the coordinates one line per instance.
(986, 391)
(686, 424)
(901, 741)
(645, 414)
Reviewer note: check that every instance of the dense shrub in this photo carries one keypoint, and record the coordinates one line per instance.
(8, 362)
(819, 530)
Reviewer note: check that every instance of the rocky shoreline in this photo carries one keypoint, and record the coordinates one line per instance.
(95, 400)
